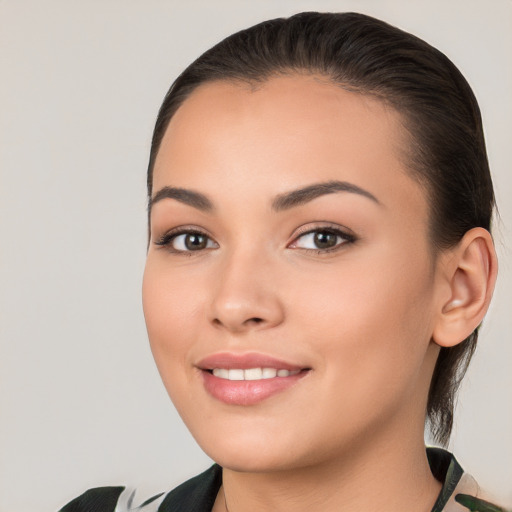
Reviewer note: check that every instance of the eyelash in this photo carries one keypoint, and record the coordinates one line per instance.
(167, 239)
(347, 238)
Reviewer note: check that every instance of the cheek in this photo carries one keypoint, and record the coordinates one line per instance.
(172, 313)
(372, 327)
(364, 298)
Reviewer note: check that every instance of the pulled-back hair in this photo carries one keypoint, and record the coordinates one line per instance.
(446, 152)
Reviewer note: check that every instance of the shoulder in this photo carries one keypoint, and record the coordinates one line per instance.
(101, 499)
(195, 495)
(469, 497)
(460, 492)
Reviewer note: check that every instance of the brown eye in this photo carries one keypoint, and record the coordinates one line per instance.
(325, 240)
(195, 241)
(186, 241)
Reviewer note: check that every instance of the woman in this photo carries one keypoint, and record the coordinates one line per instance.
(319, 262)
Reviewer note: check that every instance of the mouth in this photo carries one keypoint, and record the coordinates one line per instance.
(248, 379)
(252, 373)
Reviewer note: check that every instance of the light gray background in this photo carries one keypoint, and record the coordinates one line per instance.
(81, 402)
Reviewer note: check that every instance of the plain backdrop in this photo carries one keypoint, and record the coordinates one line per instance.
(81, 402)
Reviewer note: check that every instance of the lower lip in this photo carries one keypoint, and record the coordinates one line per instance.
(247, 392)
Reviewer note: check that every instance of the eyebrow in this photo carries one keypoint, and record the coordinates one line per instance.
(183, 195)
(280, 203)
(304, 195)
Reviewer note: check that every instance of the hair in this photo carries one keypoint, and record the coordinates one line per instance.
(446, 151)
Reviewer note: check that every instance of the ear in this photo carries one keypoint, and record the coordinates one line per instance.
(469, 273)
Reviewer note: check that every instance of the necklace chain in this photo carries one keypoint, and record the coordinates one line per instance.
(225, 501)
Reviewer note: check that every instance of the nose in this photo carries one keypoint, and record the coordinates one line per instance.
(245, 296)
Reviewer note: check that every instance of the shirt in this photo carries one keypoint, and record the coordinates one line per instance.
(460, 492)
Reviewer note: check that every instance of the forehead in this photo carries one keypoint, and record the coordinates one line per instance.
(286, 132)
(285, 108)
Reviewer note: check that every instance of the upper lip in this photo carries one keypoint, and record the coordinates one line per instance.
(230, 360)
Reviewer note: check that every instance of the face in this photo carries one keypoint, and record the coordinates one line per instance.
(290, 290)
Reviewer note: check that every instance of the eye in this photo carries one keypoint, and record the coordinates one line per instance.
(183, 241)
(322, 239)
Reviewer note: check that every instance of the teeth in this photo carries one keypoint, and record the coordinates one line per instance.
(252, 373)
(235, 374)
(269, 373)
(221, 372)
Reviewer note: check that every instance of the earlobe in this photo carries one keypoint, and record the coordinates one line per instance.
(470, 274)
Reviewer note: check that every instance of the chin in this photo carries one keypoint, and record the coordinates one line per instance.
(250, 461)
(249, 451)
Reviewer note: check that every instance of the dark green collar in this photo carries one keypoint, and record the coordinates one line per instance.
(199, 493)
(447, 470)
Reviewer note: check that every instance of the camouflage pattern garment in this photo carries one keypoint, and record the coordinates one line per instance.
(460, 493)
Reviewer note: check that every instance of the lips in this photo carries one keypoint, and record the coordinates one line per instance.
(245, 362)
(247, 379)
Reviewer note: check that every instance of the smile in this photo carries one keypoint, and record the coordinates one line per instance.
(248, 378)
(252, 373)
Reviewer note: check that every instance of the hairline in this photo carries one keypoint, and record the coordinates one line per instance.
(404, 150)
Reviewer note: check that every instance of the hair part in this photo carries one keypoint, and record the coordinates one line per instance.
(446, 151)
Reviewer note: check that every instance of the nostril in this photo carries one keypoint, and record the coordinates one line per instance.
(254, 321)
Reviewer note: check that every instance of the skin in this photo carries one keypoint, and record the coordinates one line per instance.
(349, 435)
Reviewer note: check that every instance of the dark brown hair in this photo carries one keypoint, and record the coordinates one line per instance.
(446, 153)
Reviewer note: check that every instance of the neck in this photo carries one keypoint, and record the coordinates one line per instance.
(385, 476)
